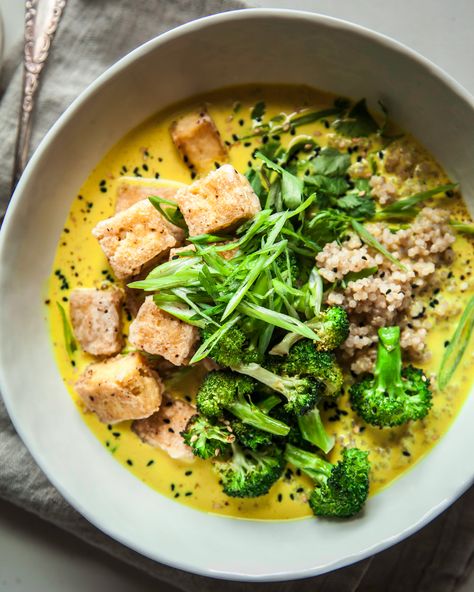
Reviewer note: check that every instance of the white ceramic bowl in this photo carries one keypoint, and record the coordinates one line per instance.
(232, 48)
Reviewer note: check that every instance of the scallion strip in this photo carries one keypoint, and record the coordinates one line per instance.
(457, 346)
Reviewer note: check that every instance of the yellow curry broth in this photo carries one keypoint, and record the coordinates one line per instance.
(148, 152)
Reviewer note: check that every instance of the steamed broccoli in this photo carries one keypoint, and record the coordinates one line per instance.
(331, 326)
(306, 431)
(304, 360)
(302, 393)
(250, 473)
(234, 347)
(391, 396)
(341, 489)
(223, 390)
(219, 389)
(249, 436)
(312, 430)
(288, 266)
(207, 438)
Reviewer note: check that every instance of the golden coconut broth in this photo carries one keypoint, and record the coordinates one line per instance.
(148, 152)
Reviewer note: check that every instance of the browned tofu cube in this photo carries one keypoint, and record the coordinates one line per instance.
(163, 429)
(136, 237)
(220, 201)
(157, 332)
(131, 190)
(95, 319)
(120, 388)
(198, 140)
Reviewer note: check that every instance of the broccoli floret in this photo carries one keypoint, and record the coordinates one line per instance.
(220, 389)
(207, 438)
(391, 396)
(233, 347)
(341, 489)
(223, 390)
(305, 360)
(302, 393)
(250, 473)
(288, 266)
(331, 326)
(248, 436)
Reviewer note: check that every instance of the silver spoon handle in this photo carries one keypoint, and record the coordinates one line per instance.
(41, 21)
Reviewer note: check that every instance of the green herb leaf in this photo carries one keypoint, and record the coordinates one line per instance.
(457, 346)
(327, 226)
(358, 122)
(374, 243)
(356, 206)
(258, 111)
(331, 162)
(255, 182)
(291, 186)
(330, 186)
(69, 341)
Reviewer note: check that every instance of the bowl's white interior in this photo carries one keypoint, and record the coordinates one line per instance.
(224, 50)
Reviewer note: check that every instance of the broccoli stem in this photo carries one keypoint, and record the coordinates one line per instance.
(252, 415)
(312, 429)
(388, 367)
(283, 347)
(318, 469)
(273, 381)
(269, 403)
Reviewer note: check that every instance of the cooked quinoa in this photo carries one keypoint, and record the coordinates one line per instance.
(391, 296)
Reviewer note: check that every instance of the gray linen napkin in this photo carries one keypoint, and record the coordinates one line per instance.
(437, 559)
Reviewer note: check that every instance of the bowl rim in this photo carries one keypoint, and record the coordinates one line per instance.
(15, 202)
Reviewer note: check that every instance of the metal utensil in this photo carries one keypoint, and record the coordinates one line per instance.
(41, 21)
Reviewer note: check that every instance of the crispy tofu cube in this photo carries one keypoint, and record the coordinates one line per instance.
(136, 237)
(157, 332)
(131, 190)
(163, 429)
(198, 140)
(220, 201)
(95, 319)
(120, 388)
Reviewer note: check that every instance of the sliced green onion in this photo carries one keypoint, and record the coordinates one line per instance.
(370, 240)
(69, 341)
(463, 227)
(457, 346)
(407, 204)
(277, 318)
